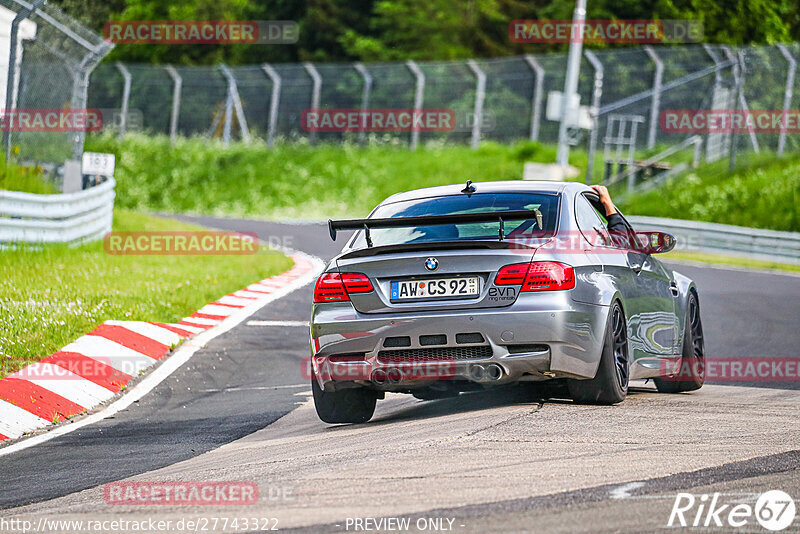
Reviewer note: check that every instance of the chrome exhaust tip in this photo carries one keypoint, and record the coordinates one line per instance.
(394, 375)
(379, 377)
(477, 372)
(494, 372)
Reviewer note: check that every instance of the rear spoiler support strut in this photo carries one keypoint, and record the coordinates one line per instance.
(431, 220)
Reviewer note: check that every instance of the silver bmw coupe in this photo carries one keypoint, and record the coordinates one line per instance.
(456, 288)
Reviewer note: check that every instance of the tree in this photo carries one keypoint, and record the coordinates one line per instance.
(382, 30)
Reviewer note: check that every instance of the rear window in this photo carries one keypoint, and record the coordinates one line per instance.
(544, 203)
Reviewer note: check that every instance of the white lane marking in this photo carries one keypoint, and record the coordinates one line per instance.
(162, 335)
(111, 353)
(277, 323)
(14, 421)
(170, 365)
(192, 329)
(62, 382)
(623, 491)
(225, 311)
(201, 320)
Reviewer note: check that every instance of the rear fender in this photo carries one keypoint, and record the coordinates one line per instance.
(685, 286)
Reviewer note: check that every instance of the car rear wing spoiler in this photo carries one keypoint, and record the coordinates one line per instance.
(432, 220)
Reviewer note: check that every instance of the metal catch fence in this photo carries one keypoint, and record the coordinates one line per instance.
(501, 100)
(49, 58)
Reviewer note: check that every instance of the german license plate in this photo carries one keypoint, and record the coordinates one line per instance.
(465, 286)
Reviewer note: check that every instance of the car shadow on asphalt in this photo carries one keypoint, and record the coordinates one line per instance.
(514, 395)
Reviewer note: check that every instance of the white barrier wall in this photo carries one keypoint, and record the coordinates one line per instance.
(82, 216)
(726, 239)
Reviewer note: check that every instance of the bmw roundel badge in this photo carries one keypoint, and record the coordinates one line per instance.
(431, 264)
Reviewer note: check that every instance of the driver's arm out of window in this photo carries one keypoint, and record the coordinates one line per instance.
(619, 231)
(615, 223)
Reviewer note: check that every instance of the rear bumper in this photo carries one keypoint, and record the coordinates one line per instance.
(567, 335)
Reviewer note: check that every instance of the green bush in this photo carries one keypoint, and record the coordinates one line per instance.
(763, 193)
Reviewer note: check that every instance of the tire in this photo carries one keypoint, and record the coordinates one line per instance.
(692, 362)
(355, 405)
(610, 383)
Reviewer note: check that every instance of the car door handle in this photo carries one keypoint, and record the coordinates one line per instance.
(673, 288)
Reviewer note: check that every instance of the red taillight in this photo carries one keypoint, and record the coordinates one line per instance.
(356, 283)
(329, 288)
(549, 276)
(335, 287)
(537, 276)
(511, 275)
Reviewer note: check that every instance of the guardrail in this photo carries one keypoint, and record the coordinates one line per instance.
(741, 241)
(65, 218)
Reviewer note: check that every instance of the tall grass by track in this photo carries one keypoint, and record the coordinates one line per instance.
(202, 176)
(763, 192)
(24, 179)
(299, 181)
(53, 294)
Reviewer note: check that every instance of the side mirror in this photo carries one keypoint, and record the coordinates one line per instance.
(655, 242)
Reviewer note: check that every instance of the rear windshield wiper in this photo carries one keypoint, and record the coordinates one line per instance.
(432, 220)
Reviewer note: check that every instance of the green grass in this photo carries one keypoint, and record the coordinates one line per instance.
(51, 295)
(202, 176)
(764, 192)
(24, 179)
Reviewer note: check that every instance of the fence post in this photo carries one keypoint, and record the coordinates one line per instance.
(177, 82)
(655, 104)
(597, 92)
(362, 70)
(419, 92)
(717, 84)
(126, 95)
(787, 95)
(12, 66)
(315, 92)
(226, 126)
(274, 101)
(233, 91)
(80, 94)
(536, 103)
(480, 96)
(739, 58)
(737, 89)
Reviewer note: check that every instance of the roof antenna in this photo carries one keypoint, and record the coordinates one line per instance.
(469, 189)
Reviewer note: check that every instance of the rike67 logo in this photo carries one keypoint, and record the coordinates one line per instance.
(774, 510)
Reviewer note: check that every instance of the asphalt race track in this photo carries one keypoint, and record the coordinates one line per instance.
(240, 410)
